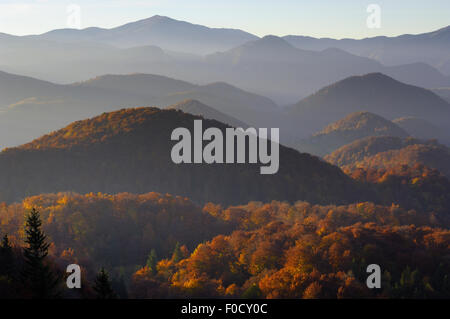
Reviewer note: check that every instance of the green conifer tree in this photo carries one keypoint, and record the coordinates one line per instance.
(152, 260)
(177, 254)
(37, 276)
(102, 286)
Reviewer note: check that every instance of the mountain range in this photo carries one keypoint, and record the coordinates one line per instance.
(270, 66)
(170, 34)
(30, 107)
(432, 47)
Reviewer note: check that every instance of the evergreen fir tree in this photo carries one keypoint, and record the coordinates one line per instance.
(37, 275)
(152, 260)
(177, 254)
(102, 286)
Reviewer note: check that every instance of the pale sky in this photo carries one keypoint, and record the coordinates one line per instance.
(318, 18)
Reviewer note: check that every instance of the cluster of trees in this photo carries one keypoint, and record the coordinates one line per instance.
(415, 187)
(306, 251)
(115, 231)
(389, 151)
(161, 246)
(29, 272)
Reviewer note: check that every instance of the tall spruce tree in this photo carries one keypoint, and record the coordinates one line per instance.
(37, 276)
(177, 253)
(103, 287)
(152, 261)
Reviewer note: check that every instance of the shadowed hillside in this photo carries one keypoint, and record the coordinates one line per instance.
(129, 150)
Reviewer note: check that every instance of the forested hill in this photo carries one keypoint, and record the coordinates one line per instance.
(129, 151)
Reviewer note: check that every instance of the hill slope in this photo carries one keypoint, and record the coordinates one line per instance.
(129, 151)
(351, 128)
(376, 93)
(422, 129)
(388, 152)
(194, 107)
(443, 92)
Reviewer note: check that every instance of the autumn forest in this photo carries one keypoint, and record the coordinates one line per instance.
(361, 141)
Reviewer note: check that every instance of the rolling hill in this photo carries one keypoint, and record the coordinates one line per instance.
(387, 152)
(375, 93)
(129, 151)
(349, 129)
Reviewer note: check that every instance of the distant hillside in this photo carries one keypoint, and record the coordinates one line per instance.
(162, 91)
(194, 107)
(376, 93)
(351, 128)
(284, 70)
(422, 129)
(388, 152)
(146, 85)
(443, 92)
(129, 151)
(30, 107)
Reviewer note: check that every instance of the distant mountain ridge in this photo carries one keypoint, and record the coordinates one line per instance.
(269, 66)
(30, 107)
(431, 47)
(170, 34)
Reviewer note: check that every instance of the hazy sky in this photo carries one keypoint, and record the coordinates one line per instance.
(319, 18)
